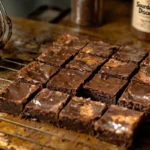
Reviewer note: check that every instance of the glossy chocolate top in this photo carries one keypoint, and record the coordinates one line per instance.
(143, 75)
(115, 67)
(99, 48)
(105, 85)
(68, 79)
(146, 62)
(56, 55)
(137, 93)
(85, 62)
(37, 73)
(119, 120)
(129, 54)
(47, 101)
(19, 92)
(81, 108)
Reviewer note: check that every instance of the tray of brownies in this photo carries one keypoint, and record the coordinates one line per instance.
(75, 93)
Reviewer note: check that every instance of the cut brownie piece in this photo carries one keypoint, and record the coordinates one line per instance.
(99, 48)
(146, 62)
(46, 106)
(118, 125)
(137, 97)
(115, 68)
(68, 81)
(143, 76)
(104, 88)
(80, 113)
(129, 54)
(36, 73)
(71, 41)
(15, 96)
(85, 62)
(57, 56)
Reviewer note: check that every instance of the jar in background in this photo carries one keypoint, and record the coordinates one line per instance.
(141, 19)
(87, 12)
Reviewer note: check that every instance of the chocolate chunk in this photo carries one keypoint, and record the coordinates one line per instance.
(46, 106)
(85, 62)
(137, 97)
(99, 48)
(118, 69)
(15, 96)
(36, 73)
(118, 125)
(57, 56)
(129, 54)
(68, 81)
(104, 88)
(80, 113)
(143, 76)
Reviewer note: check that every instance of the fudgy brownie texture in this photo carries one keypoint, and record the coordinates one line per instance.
(118, 69)
(68, 81)
(129, 54)
(146, 61)
(136, 97)
(57, 56)
(46, 106)
(15, 96)
(118, 125)
(71, 41)
(36, 73)
(85, 62)
(143, 76)
(99, 48)
(104, 88)
(80, 113)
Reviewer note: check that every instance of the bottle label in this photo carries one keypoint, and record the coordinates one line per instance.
(141, 15)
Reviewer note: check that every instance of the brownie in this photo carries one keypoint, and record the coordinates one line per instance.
(80, 113)
(57, 56)
(118, 125)
(136, 97)
(143, 76)
(68, 81)
(146, 61)
(46, 106)
(14, 97)
(37, 73)
(71, 41)
(85, 62)
(99, 48)
(118, 69)
(104, 88)
(129, 54)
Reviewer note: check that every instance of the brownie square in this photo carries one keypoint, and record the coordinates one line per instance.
(146, 61)
(143, 76)
(37, 73)
(118, 125)
(85, 62)
(14, 97)
(71, 41)
(99, 48)
(129, 54)
(80, 113)
(118, 69)
(46, 106)
(136, 97)
(68, 81)
(104, 88)
(57, 56)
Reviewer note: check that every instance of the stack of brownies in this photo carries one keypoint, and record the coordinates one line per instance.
(77, 84)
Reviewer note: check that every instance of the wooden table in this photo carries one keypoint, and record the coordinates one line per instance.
(25, 45)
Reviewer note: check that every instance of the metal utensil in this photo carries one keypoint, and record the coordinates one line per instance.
(5, 26)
